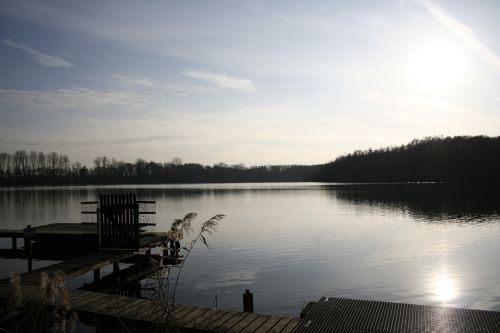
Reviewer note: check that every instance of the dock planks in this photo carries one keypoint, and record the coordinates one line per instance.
(188, 317)
(351, 315)
(79, 265)
(151, 311)
(60, 231)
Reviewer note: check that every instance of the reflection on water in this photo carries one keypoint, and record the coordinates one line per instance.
(418, 243)
(445, 288)
(452, 203)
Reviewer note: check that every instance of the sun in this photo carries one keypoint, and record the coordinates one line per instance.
(437, 67)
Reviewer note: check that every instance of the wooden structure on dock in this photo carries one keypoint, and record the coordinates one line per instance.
(350, 315)
(118, 219)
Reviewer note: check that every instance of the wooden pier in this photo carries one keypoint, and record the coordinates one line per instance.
(149, 312)
(60, 232)
(185, 317)
(116, 236)
(103, 306)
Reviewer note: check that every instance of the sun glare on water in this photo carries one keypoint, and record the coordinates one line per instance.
(437, 67)
(445, 289)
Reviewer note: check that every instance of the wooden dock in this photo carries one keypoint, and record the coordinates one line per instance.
(350, 315)
(93, 304)
(185, 317)
(90, 304)
(56, 231)
(150, 312)
(117, 235)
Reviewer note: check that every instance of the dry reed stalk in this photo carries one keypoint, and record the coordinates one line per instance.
(180, 227)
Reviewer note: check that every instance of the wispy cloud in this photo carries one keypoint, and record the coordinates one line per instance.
(133, 81)
(464, 32)
(43, 59)
(147, 86)
(84, 141)
(223, 80)
(64, 100)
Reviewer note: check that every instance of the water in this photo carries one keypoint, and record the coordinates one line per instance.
(291, 243)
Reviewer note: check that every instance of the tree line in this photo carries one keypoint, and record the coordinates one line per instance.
(432, 159)
(39, 168)
(22, 167)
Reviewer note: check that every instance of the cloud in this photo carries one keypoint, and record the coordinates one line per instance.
(463, 32)
(223, 80)
(134, 81)
(64, 100)
(43, 59)
(146, 86)
(84, 141)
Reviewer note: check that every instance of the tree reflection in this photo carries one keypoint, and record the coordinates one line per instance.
(445, 203)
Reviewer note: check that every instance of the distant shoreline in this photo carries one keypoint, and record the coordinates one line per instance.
(432, 159)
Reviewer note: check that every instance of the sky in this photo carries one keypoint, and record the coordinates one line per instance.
(252, 82)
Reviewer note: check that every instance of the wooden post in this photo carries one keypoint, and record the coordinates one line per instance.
(29, 251)
(14, 243)
(136, 222)
(248, 301)
(28, 237)
(99, 229)
(97, 274)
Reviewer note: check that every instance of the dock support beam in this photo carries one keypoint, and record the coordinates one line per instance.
(97, 274)
(116, 270)
(14, 243)
(248, 301)
(116, 267)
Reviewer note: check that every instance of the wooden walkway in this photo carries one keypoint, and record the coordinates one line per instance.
(104, 305)
(75, 238)
(91, 261)
(187, 317)
(58, 229)
(78, 265)
(350, 315)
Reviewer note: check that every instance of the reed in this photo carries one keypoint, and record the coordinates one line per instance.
(52, 308)
(168, 275)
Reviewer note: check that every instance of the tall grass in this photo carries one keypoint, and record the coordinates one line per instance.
(49, 308)
(170, 267)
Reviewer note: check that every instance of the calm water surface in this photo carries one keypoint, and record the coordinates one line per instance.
(295, 242)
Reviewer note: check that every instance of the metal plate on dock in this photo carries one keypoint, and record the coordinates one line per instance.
(350, 315)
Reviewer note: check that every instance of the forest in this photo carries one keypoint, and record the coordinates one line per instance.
(432, 159)
(38, 168)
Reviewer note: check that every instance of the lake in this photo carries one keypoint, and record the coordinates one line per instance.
(290, 243)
